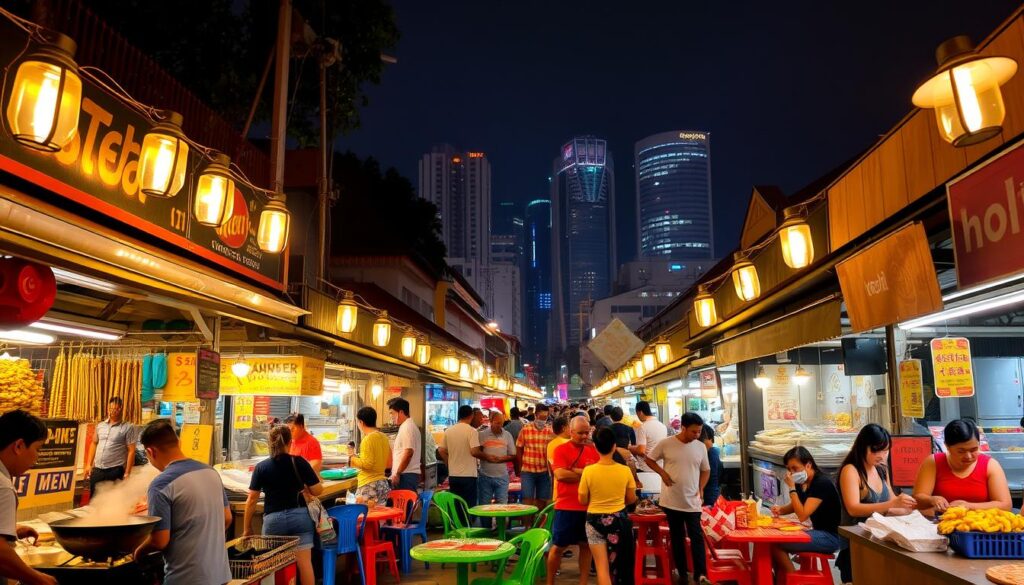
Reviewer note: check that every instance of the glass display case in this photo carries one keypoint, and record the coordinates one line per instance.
(1006, 445)
(442, 409)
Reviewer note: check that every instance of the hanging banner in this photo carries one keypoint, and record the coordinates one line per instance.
(243, 412)
(181, 378)
(951, 363)
(274, 376)
(911, 389)
(51, 481)
(195, 442)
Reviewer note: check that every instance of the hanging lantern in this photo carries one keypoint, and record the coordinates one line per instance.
(377, 389)
(638, 368)
(46, 97)
(704, 307)
(275, 221)
(215, 192)
(450, 363)
(382, 330)
(164, 158)
(650, 361)
(663, 350)
(408, 344)
(241, 368)
(795, 237)
(464, 371)
(744, 277)
(761, 379)
(476, 370)
(801, 376)
(965, 92)
(422, 352)
(348, 313)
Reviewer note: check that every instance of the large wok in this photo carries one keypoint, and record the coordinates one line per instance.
(99, 543)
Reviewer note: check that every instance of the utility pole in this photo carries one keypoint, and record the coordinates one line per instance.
(278, 133)
(329, 51)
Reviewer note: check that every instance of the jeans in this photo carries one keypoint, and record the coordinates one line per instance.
(408, 481)
(491, 488)
(682, 525)
(292, 522)
(465, 488)
(101, 475)
(535, 486)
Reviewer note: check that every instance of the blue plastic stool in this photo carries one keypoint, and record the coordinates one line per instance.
(403, 536)
(350, 531)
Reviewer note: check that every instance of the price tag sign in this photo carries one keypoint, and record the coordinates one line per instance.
(244, 406)
(195, 442)
(951, 362)
(911, 390)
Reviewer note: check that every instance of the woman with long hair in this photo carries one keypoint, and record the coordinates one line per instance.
(962, 476)
(865, 487)
(286, 481)
(811, 495)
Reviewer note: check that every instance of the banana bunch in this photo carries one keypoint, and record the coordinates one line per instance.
(959, 519)
(20, 387)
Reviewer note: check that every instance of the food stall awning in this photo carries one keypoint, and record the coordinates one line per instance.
(816, 322)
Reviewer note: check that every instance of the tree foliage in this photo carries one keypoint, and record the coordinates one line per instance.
(219, 48)
(378, 212)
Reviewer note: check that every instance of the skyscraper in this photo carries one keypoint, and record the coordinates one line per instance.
(583, 238)
(459, 183)
(673, 203)
(537, 314)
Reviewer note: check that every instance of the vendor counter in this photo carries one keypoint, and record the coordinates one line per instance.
(332, 491)
(882, 562)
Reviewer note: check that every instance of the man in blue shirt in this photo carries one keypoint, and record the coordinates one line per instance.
(189, 498)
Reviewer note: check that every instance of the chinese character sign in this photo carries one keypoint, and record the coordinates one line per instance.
(951, 363)
(911, 391)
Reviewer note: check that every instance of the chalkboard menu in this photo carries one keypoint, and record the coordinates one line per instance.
(207, 374)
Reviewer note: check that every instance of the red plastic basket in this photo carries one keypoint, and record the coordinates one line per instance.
(988, 545)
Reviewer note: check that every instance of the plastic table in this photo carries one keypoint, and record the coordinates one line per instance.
(371, 533)
(501, 512)
(763, 539)
(462, 558)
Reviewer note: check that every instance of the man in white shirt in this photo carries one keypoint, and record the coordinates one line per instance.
(460, 449)
(651, 432)
(685, 473)
(405, 470)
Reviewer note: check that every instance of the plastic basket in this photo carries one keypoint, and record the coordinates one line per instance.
(988, 545)
(273, 553)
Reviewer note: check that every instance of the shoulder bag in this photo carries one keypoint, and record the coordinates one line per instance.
(321, 519)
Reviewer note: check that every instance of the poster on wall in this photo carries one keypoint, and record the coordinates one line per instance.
(864, 391)
(836, 392)
(951, 363)
(781, 397)
(51, 481)
(911, 389)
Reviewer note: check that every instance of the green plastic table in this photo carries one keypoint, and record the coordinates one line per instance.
(501, 512)
(462, 558)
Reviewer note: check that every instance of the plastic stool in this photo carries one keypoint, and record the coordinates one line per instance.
(814, 570)
(370, 554)
(651, 543)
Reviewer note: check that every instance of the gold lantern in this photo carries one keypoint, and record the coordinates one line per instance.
(215, 192)
(744, 277)
(795, 237)
(450, 363)
(663, 350)
(422, 352)
(275, 220)
(348, 313)
(408, 344)
(164, 158)
(464, 370)
(382, 330)
(638, 368)
(46, 96)
(650, 361)
(965, 92)
(704, 307)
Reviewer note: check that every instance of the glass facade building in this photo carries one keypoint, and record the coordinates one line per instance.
(673, 186)
(537, 315)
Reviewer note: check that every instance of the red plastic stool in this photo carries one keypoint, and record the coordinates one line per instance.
(650, 542)
(370, 554)
(814, 570)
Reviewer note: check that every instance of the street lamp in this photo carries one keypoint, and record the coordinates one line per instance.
(164, 158)
(46, 96)
(215, 192)
(965, 92)
(795, 237)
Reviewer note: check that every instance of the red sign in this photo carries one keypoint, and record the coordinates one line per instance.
(986, 210)
(235, 230)
(906, 456)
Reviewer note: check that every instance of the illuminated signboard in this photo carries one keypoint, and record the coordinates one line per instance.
(476, 154)
(693, 136)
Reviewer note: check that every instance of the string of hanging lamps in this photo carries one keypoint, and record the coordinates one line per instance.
(42, 113)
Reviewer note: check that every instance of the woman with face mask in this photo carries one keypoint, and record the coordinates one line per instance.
(811, 495)
(865, 487)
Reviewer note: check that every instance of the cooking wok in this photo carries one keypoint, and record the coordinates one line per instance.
(80, 536)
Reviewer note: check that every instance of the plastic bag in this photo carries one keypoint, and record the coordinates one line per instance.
(913, 532)
(717, 523)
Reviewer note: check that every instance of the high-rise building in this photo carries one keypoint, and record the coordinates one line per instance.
(537, 313)
(459, 183)
(583, 238)
(673, 203)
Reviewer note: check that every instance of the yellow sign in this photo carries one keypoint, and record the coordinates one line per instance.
(243, 412)
(911, 391)
(51, 481)
(951, 362)
(196, 439)
(274, 376)
(181, 378)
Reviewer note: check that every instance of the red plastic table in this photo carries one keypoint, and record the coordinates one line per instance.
(763, 539)
(371, 532)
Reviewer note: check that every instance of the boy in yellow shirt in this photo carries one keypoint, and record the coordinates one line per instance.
(372, 487)
(606, 488)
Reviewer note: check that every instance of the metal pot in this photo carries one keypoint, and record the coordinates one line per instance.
(100, 543)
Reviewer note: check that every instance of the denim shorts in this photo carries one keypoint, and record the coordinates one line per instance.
(822, 541)
(535, 485)
(293, 522)
(569, 528)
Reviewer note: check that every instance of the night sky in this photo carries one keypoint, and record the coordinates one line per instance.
(788, 90)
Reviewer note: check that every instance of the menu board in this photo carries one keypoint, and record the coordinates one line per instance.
(907, 454)
(207, 374)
